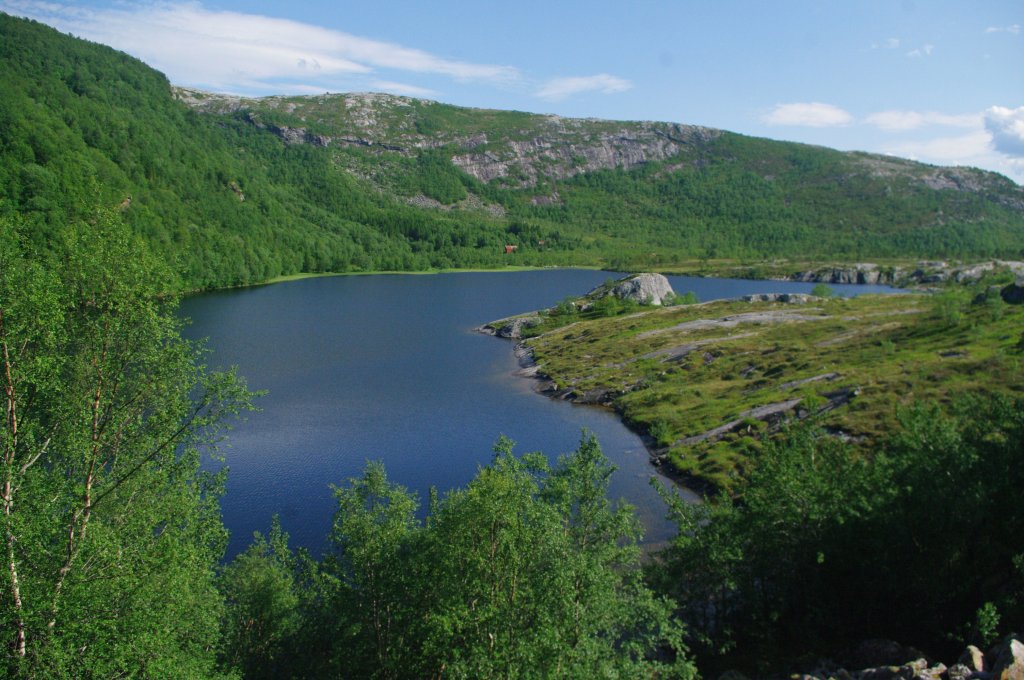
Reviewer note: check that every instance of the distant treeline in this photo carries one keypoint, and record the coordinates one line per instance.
(227, 201)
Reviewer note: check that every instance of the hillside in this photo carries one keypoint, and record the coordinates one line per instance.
(242, 190)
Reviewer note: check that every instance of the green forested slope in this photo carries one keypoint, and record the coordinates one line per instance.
(233, 190)
(82, 125)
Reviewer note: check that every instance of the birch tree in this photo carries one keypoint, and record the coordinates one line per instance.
(111, 530)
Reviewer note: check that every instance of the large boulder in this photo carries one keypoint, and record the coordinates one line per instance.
(647, 289)
(1007, 660)
(973, 658)
(1014, 293)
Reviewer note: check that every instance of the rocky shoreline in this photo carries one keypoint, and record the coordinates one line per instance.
(646, 288)
(545, 386)
(923, 273)
(887, 660)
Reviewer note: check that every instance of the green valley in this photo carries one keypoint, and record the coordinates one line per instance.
(860, 458)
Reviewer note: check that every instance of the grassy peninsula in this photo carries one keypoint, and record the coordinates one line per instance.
(707, 382)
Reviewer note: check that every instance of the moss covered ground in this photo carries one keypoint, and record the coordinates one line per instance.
(691, 376)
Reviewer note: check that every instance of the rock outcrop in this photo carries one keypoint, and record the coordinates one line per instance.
(887, 660)
(548, 148)
(565, 148)
(1014, 293)
(511, 328)
(1007, 660)
(862, 273)
(789, 298)
(925, 272)
(645, 289)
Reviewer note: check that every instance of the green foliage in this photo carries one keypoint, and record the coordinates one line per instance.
(105, 508)
(608, 306)
(434, 176)
(949, 305)
(823, 546)
(527, 572)
(565, 308)
(985, 631)
(687, 298)
(661, 432)
(823, 290)
(262, 600)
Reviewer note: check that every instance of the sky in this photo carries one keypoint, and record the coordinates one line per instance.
(939, 81)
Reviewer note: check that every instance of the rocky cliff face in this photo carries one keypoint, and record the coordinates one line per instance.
(560, 151)
(521, 150)
(540, 147)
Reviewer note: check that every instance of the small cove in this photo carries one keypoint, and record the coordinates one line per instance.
(387, 367)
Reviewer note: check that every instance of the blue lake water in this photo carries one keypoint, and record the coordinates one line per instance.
(387, 367)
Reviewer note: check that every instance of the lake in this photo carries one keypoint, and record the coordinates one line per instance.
(387, 367)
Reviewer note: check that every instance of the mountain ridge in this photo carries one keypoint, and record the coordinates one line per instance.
(235, 190)
(676, 136)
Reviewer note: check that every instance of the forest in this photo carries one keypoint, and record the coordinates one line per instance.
(113, 543)
(227, 199)
(115, 198)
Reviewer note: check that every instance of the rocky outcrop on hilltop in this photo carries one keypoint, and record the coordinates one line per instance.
(524, 151)
(551, 147)
(565, 148)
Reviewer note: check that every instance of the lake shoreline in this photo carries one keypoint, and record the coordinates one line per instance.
(773, 270)
(694, 489)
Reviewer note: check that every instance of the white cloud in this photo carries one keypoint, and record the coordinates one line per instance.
(560, 88)
(923, 51)
(974, 149)
(993, 139)
(910, 120)
(808, 114)
(1012, 28)
(960, 150)
(889, 44)
(231, 50)
(1007, 129)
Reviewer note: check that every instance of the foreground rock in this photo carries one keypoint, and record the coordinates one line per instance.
(887, 660)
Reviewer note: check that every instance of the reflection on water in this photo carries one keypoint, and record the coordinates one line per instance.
(387, 367)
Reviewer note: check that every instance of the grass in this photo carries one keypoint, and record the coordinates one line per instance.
(679, 372)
